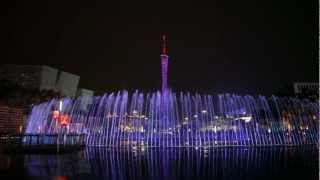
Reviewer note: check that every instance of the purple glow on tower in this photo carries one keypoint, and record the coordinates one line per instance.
(164, 63)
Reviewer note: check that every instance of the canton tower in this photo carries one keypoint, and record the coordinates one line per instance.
(164, 63)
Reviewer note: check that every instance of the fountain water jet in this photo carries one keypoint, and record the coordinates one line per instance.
(183, 120)
(170, 119)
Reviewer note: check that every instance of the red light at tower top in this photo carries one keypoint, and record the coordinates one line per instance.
(164, 45)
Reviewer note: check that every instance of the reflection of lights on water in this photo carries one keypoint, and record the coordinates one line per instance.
(269, 130)
(204, 111)
(186, 118)
(195, 116)
(196, 148)
(134, 112)
(60, 178)
(189, 130)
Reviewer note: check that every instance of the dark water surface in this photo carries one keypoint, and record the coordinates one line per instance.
(169, 163)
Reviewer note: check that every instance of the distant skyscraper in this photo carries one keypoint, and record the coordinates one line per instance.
(164, 63)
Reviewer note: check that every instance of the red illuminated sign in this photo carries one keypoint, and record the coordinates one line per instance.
(64, 120)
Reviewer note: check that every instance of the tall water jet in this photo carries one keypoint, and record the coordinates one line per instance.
(181, 120)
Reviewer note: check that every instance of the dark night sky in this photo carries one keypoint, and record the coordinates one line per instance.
(242, 46)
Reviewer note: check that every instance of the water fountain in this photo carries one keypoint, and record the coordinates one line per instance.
(181, 120)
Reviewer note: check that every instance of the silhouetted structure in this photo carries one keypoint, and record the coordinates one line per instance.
(164, 63)
(307, 90)
(41, 77)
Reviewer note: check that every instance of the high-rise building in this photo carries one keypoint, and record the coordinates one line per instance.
(86, 98)
(12, 119)
(84, 92)
(67, 83)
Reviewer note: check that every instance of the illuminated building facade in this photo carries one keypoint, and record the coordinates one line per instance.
(12, 119)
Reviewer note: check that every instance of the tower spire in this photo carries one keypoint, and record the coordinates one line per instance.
(164, 63)
(164, 44)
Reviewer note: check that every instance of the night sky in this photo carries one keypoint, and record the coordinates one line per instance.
(253, 47)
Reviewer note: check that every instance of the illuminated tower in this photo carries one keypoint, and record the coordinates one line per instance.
(164, 63)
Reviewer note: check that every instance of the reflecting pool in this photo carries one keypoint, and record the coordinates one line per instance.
(167, 163)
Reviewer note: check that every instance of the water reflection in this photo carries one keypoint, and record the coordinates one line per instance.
(169, 163)
(192, 163)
